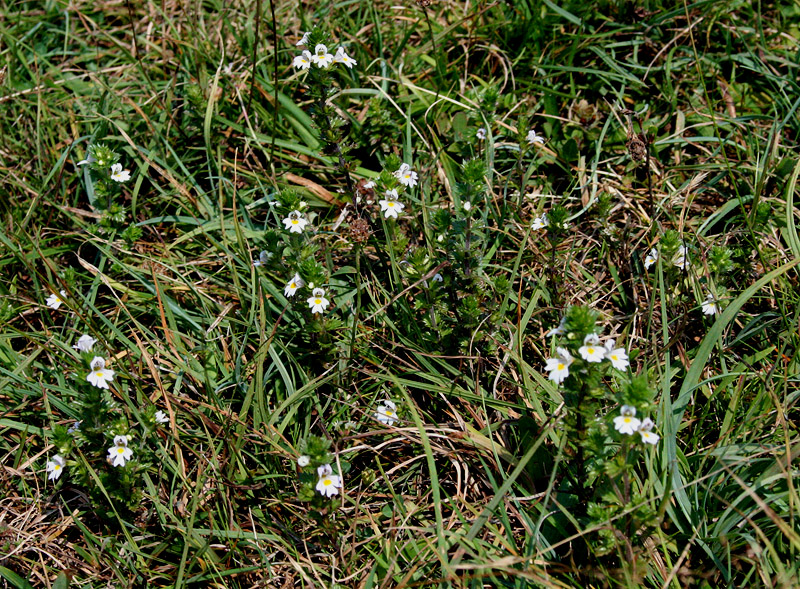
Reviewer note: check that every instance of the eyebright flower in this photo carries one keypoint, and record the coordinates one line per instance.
(626, 422)
(89, 160)
(481, 133)
(342, 57)
(328, 483)
(681, 259)
(532, 137)
(709, 305)
(321, 56)
(55, 466)
(292, 286)
(650, 258)
(406, 175)
(295, 222)
(74, 427)
(161, 417)
(303, 61)
(303, 461)
(389, 206)
(119, 453)
(369, 185)
(617, 356)
(540, 222)
(466, 205)
(437, 278)
(318, 302)
(304, 40)
(54, 300)
(591, 350)
(386, 413)
(558, 367)
(263, 258)
(85, 343)
(99, 375)
(558, 330)
(118, 174)
(648, 437)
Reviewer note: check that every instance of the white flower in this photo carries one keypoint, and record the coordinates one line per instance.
(328, 483)
(321, 56)
(386, 413)
(304, 40)
(295, 222)
(318, 302)
(90, 159)
(342, 57)
(466, 205)
(626, 422)
(369, 185)
(591, 350)
(617, 356)
(263, 258)
(161, 417)
(406, 175)
(119, 453)
(118, 174)
(303, 461)
(292, 286)
(709, 305)
(650, 258)
(303, 61)
(74, 427)
(534, 138)
(481, 133)
(540, 222)
(681, 258)
(99, 375)
(85, 343)
(558, 330)
(648, 437)
(437, 278)
(55, 467)
(558, 367)
(54, 300)
(389, 206)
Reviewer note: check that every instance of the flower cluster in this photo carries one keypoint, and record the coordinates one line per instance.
(591, 351)
(404, 176)
(321, 57)
(628, 424)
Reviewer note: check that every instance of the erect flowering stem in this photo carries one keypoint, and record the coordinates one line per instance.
(333, 146)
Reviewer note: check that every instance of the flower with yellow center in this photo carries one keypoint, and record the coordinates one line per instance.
(626, 422)
(328, 483)
(558, 367)
(317, 302)
(99, 375)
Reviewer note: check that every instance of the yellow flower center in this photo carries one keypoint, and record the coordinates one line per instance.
(295, 221)
(326, 482)
(98, 374)
(627, 420)
(57, 467)
(560, 366)
(389, 413)
(317, 301)
(120, 450)
(614, 356)
(292, 285)
(590, 350)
